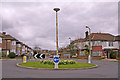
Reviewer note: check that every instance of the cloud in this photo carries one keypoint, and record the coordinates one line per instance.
(33, 23)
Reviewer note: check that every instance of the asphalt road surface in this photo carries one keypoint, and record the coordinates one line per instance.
(106, 69)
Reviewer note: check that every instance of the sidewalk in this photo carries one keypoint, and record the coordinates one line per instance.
(10, 59)
(110, 59)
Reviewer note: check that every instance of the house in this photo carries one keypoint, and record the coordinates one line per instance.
(101, 44)
(11, 44)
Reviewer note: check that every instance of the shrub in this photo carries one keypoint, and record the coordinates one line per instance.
(112, 54)
(102, 57)
(86, 52)
(61, 62)
(12, 55)
(3, 54)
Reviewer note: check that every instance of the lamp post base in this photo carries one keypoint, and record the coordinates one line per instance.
(89, 59)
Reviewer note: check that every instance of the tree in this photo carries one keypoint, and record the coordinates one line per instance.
(37, 49)
(73, 48)
(87, 50)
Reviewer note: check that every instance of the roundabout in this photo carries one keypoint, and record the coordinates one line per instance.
(63, 64)
(105, 69)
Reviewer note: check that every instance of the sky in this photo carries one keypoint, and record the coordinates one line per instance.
(33, 23)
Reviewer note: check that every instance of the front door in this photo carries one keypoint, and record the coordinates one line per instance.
(107, 54)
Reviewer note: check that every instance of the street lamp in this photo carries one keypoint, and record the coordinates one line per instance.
(56, 9)
(70, 45)
(89, 57)
(70, 39)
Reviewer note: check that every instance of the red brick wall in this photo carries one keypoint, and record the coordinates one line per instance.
(3, 44)
(97, 48)
(0, 45)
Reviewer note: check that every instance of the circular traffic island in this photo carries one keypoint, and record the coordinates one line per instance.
(63, 64)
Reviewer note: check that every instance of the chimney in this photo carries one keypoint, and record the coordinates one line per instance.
(86, 33)
(4, 33)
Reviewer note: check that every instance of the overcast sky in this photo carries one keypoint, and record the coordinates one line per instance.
(33, 23)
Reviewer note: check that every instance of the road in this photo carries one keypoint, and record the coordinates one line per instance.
(106, 69)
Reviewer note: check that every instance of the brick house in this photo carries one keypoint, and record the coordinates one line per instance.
(11, 44)
(102, 44)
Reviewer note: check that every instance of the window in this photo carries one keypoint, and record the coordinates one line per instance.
(12, 50)
(82, 53)
(23, 47)
(96, 43)
(97, 53)
(8, 41)
(18, 45)
(18, 52)
(93, 43)
(0, 40)
(110, 43)
(105, 44)
(13, 42)
(23, 52)
(99, 43)
(0, 50)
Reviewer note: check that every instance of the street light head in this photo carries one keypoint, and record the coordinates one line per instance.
(56, 9)
(86, 26)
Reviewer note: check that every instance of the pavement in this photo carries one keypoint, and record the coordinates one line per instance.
(106, 69)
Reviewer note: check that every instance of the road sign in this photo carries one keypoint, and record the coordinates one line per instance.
(56, 59)
(39, 56)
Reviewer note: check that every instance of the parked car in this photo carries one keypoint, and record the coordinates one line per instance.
(51, 56)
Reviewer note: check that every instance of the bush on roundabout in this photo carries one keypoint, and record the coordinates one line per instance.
(61, 62)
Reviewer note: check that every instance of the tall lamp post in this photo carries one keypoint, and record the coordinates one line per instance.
(70, 45)
(56, 9)
(70, 39)
(89, 57)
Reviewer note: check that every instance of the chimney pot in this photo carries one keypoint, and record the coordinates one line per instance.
(4, 33)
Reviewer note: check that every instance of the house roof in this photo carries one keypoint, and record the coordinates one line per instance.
(117, 38)
(80, 40)
(101, 36)
(9, 37)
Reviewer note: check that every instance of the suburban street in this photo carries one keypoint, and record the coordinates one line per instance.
(106, 69)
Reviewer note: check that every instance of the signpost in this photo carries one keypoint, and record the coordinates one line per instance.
(56, 61)
(39, 56)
